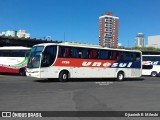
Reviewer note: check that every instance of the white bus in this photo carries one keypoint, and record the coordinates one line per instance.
(151, 65)
(70, 60)
(13, 59)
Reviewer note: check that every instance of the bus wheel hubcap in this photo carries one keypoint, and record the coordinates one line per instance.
(120, 76)
(64, 76)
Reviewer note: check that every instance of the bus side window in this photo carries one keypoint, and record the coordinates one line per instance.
(117, 55)
(84, 53)
(59, 52)
(13, 54)
(120, 56)
(67, 52)
(138, 57)
(109, 55)
(6, 53)
(75, 53)
(147, 67)
(27, 53)
(114, 55)
(80, 53)
(93, 54)
(103, 54)
(64, 52)
(144, 58)
(127, 56)
(21, 53)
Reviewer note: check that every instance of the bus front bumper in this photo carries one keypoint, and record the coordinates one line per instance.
(32, 73)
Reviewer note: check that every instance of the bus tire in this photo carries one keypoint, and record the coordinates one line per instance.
(63, 76)
(22, 72)
(153, 73)
(120, 76)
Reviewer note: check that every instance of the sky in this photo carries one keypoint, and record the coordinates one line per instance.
(78, 20)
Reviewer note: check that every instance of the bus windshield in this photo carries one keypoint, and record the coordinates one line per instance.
(48, 55)
(34, 58)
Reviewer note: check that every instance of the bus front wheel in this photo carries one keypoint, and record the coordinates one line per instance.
(63, 76)
(120, 76)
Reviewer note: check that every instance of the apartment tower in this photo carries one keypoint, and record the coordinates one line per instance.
(108, 30)
(140, 40)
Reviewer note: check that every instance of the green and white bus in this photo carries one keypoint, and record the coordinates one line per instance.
(13, 59)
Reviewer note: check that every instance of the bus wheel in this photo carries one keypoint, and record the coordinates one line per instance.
(153, 74)
(22, 72)
(63, 76)
(120, 76)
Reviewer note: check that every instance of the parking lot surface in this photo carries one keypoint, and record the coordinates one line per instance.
(19, 93)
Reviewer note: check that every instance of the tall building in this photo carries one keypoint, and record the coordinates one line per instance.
(140, 40)
(108, 30)
(154, 41)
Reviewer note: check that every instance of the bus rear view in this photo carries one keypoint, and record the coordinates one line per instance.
(151, 65)
(13, 59)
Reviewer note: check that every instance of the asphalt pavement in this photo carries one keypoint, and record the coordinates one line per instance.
(20, 93)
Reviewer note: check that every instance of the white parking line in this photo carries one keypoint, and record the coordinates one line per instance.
(104, 83)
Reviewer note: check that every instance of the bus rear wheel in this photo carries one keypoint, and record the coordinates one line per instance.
(120, 76)
(63, 76)
(22, 72)
(153, 74)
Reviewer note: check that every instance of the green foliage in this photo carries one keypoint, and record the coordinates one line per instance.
(146, 48)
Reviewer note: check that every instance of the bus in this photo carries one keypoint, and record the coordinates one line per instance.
(73, 60)
(151, 65)
(151, 52)
(13, 59)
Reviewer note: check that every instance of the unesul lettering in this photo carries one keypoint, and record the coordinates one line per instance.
(106, 64)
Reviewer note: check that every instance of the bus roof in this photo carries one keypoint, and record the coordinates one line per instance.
(83, 45)
(14, 48)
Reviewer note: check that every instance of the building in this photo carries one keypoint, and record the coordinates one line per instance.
(23, 34)
(154, 41)
(9, 33)
(13, 33)
(108, 30)
(140, 40)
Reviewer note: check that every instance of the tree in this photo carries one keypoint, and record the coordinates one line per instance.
(146, 48)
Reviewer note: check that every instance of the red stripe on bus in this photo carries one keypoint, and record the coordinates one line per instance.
(8, 70)
(73, 62)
